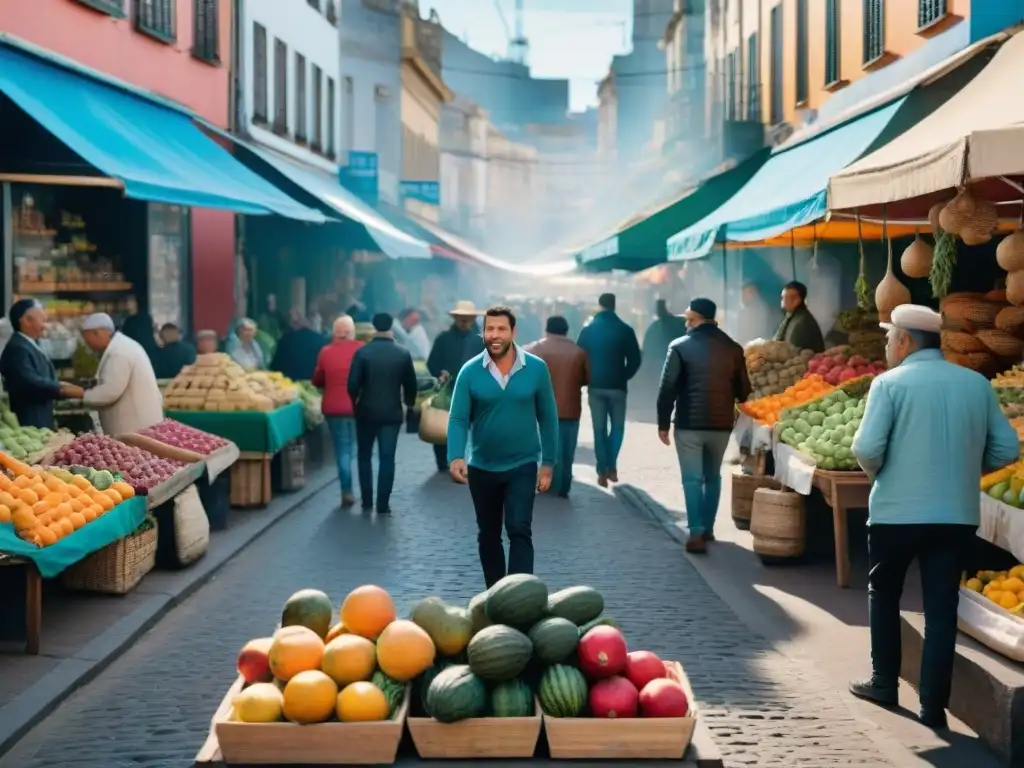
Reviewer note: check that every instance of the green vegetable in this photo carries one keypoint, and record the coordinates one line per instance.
(563, 691)
(512, 699)
(442, 399)
(943, 263)
(393, 690)
(457, 694)
(577, 604)
(499, 653)
(554, 639)
(519, 600)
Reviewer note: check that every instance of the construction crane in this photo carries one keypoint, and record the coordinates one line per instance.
(518, 44)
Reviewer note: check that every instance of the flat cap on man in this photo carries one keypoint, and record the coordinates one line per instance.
(914, 317)
(98, 321)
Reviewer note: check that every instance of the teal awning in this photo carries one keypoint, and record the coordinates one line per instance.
(788, 191)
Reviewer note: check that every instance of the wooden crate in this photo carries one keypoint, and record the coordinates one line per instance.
(332, 743)
(478, 738)
(250, 480)
(589, 738)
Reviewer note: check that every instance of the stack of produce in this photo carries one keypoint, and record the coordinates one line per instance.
(841, 364)
(141, 469)
(178, 435)
(214, 383)
(774, 366)
(767, 409)
(824, 429)
(982, 331)
(312, 404)
(30, 444)
(1004, 588)
(1009, 387)
(278, 387)
(1010, 256)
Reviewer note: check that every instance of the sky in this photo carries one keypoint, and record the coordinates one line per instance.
(572, 39)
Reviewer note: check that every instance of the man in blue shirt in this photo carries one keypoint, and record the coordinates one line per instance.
(930, 430)
(504, 408)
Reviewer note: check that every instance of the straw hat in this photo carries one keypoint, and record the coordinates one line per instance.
(465, 309)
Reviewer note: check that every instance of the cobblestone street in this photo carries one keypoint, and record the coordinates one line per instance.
(152, 707)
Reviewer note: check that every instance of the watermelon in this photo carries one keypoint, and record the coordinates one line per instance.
(642, 667)
(518, 600)
(664, 698)
(554, 639)
(499, 653)
(456, 694)
(423, 682)
(602, 652)
(393, 690)
(577, 604)
(512, 699)
(562, 691)
(614, 697)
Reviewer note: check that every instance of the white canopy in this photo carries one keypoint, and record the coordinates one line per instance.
(977, 134)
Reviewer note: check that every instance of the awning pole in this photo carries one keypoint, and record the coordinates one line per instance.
(792, 251)
(66, 181)
(725, 280)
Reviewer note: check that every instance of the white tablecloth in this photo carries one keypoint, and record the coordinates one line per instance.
(752, 435)
(795, 470)
(1002, 525)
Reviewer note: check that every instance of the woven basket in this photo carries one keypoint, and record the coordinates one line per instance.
(1011, 320)
(1001, 343)
(997, 295)
(982, 314)
(954, 308)
(976, 361)
(958, 341)
(743, 488)
(117, 568)
(778, 523)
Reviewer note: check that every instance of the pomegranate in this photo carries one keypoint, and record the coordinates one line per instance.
(602, 652)
(663, 698)
(614, 697)
(642, 667)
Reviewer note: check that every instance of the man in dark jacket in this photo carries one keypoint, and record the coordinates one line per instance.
(29, 376)
(799, 327)
(381, 378)
(452, 349)
(665, 329)
(298, 350)
(703, 378)
(174, 355)
(614, 355)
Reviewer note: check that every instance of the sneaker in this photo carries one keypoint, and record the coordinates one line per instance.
(933, 718)
(602, 480)
(876, 692)
(613, 475)
(696, 545)
(347, 500)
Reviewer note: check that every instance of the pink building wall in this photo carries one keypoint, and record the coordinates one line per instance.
(114, 47)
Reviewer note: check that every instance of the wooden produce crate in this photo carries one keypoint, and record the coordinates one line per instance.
(332, 743)
(590, 738)
(480, 738)
(250, 480)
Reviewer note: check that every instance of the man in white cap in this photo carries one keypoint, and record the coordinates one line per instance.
(126, 393)
(931, 428)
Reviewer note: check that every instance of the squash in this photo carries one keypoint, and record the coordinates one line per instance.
(404, 651)
(448, 626)
(999, 476)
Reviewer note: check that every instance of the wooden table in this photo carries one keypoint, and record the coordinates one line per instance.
(33, 600)
(842, 491)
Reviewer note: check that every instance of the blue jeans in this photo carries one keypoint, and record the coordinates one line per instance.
(568, 434)
(607, 405)
(700, 454)
(386, 438)
(343, 436)
(504, 499)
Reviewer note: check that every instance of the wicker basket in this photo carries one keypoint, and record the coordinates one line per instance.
(1001, 343)
(778, 524)
(961, 342)
(1011, 320)
(117, 568)
(976, 361)
(743, 487)
(982, 314)
(954, 309)
(996, 294)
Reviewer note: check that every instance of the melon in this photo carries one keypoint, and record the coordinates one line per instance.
(614, 697)
(664, 698)
(602, 652)
(642, 667)
(254, 661)
(308, 608)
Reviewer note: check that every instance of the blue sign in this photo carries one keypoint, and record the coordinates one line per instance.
(425, 191)
(360, 176)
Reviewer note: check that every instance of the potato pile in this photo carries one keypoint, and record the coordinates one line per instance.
(214, 382)
(774, 366)
(276, 386)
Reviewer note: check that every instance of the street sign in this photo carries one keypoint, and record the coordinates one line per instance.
(360, 176)
(425, 191)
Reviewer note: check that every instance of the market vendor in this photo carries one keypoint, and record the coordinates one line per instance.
(207, 342)
(174, 354)
(799, 327)
(243, 347)
(28, 373)
(126, 394)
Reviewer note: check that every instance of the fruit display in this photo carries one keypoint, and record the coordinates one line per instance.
(178, 435)
(1009, 387)
(774, 366)
(312, 404)
(1004, 588)
(841, 364)
(824, 428)
(278, 387)
(140, 469)
(768, 409)
(214, 382)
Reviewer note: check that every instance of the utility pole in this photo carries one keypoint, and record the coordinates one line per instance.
(519, 45)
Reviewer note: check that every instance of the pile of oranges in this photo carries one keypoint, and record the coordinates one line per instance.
(767, 409)
(45, 509)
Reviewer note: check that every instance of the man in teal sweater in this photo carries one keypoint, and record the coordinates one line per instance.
(504, 408)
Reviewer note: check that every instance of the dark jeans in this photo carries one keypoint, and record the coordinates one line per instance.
(608, 414)
(940, 550)
(441, 456)
(568, 436)
(386, 438)
(504, 498)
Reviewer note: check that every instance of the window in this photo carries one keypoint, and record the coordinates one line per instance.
(753, 79)
(156, 18)
(802, 93)
(332, 108)
(775, 73)
(301, 108)
(280, 86)
(113, 7)
(348, 115)
(205, 38)
(874, 30)
(259, 73)
(930, 11)
(318, 108)
(383, 129)
(314, 4)
(332, 13)
(832, 35)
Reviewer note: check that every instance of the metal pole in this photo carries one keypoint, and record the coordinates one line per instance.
(7, 246)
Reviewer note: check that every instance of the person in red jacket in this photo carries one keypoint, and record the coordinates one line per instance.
(331, 375)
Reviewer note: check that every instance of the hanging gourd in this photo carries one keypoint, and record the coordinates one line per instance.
(1010, 252)
(933, 217)
(916, 260)
(890, 293)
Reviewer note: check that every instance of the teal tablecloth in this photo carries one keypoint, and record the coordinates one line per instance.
(251, 431)
(119, 522)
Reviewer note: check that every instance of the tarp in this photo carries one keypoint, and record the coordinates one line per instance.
(788, 191)
(157, 153)
(978, 133)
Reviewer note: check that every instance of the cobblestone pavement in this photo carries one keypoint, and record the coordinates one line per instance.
(152, 707)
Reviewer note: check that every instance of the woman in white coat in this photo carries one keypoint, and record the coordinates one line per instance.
(126, 394)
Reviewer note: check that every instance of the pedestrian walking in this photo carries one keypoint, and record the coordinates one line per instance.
(382, 377)
(504, 409)
(570, 372)
(930, 429)
(331, 375)
(614, 355)
(703, 378)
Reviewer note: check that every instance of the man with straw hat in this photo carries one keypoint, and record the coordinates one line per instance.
(452, 349)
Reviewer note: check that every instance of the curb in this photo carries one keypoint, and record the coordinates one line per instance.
(30, 707)
(638, 500)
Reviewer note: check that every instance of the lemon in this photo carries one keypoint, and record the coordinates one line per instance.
(1018, 571)
(259, 703)
(974, 585)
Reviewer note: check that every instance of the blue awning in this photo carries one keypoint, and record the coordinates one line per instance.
(788, 191)
(156, 152)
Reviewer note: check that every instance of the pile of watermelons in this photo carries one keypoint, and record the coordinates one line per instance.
(511, 642)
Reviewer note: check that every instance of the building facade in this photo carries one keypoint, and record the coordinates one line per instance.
(181, 54)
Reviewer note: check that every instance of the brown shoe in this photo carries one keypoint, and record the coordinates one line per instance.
(602, 480)
(696, 545)
(709, 537)
(613, 475)
(347, 500)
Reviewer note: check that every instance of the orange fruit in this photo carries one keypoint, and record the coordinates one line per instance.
(6, 499)
(80, 482)
(66, 526)
(56, 529)
(63, 509)
(28, 496)
(104, 501)
(77, 519)
(53, 483)
(124, 489)
(367, 610)
(295, 649)
(310, 697)
(5, 513)
(361, 703)
(349, 659)
(40, 489)
(73, 491)
(23, 481)
(113, 495)
(77, 505)
(89, 513)
(404, 650)
(41, 507)
(47, 536)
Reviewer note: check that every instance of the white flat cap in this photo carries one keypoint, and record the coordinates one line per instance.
(100, 321)
(914, 317)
